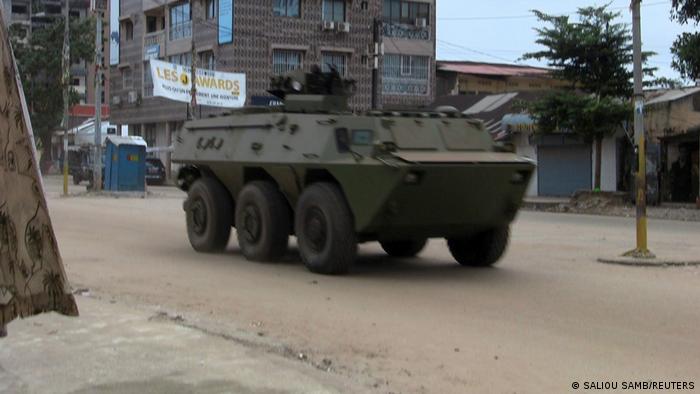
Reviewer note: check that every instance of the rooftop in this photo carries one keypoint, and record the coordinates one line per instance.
(494, 69)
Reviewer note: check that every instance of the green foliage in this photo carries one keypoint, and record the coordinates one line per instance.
(685, 10)
(39, 59)
(686, 48)
(586, 115)
(594, 53)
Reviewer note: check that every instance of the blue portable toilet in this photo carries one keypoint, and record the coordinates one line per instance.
(125, 164)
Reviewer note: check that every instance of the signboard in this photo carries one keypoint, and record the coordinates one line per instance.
(152, 51)
(266, 101)
(225, 21)
(113, 32)
(214, 88)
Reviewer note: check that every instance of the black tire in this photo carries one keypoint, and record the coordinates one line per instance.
(325, 230)
(263, 222)
(209, 215)
(403, 248)
(480, 250)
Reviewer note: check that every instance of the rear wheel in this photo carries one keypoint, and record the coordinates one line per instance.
(209, 213)
(403, 248)
(480, 250)
(262, 222)
(325, 230)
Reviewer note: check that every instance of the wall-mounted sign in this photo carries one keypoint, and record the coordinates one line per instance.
(113, 32)
(225, 21)
(152, 51)
(214, 88)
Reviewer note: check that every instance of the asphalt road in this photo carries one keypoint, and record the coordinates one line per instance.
(547, 316)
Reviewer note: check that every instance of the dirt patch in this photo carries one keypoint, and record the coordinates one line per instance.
(616, 204)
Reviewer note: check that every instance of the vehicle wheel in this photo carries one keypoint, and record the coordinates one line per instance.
(325, 230)
(480, 250)
(403, 248)
(209, 213)
(263, 221)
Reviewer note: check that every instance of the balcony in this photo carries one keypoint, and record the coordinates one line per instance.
(154, 45)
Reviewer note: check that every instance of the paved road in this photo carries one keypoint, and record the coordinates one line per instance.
(546, 316)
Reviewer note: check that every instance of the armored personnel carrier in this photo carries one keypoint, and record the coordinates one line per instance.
(334, 178)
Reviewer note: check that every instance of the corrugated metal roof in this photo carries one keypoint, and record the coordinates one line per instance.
(491, 69)
(490, 103)
(673, 95)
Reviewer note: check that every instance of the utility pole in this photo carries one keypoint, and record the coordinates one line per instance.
(66, 86)
(97, 169)
(193, 76)
(641, 251)
(376, 52)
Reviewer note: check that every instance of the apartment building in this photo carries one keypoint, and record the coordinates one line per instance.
(26, 16)
(264, 38)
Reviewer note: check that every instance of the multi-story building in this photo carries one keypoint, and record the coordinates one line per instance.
(26, 16)
(265, 38)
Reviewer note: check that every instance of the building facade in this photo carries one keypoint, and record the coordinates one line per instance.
(265, 38)
(26, 16)
(466, 77)
(672, 120)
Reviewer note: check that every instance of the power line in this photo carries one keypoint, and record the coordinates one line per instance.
(453, 45)
(530, 16)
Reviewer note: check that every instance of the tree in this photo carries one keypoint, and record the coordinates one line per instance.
(593, 54)
(686, 48)
(39, 59)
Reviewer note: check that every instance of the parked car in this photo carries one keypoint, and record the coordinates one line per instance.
(155, 171)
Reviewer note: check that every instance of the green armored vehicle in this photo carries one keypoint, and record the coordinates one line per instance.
(334, 178)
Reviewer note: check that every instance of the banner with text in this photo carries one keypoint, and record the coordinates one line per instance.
(214, 88)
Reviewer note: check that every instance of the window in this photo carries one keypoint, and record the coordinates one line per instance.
(127, 78)
(334, 10)
(128, 28)
(180, 21)
(207, 60)
(334, 60)
(407, 12)
(151, 24)
(75, 82)
(183, 59)
(286, 7)
(147, 80)
(405, 74)
(212, 6)
(284, 61)
(19, 9)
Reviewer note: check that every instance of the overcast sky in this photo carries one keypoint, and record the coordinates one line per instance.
(502, 30)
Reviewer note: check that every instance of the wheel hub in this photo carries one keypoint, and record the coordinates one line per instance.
(251, 224)
(316, 229)
(199, 216)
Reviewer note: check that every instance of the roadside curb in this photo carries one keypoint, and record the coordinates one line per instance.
(641, 262)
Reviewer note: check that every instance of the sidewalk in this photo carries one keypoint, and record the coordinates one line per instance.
(111, 348)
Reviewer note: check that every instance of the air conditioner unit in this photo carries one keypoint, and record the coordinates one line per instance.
(343, 27)
(421, 22)
(132, 97)
(116, 100)
(328, 25)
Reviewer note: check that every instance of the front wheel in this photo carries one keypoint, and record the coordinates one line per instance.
(480, 250)
(209, 213)
(325, 230)
(403, 248)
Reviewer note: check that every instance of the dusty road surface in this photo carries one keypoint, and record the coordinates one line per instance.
(547, 316)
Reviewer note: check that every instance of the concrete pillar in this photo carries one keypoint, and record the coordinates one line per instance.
(168, 154)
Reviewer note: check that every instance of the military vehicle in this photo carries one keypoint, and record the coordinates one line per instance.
(334, 178)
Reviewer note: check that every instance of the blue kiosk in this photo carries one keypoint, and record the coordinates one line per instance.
(125, 164)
